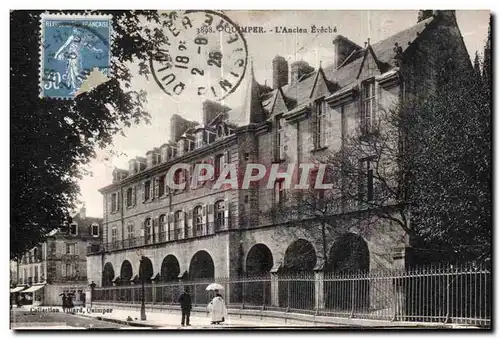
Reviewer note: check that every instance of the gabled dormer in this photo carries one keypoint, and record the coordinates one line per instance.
(203, 135)
(119, 174)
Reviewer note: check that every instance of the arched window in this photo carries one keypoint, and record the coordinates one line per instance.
(219, 215)
(179, 224)
(147, 230)
(163, 227)
(198, 220)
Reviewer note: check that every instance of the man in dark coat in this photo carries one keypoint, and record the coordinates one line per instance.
(185, 301)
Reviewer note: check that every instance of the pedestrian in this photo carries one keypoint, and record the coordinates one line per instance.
(185, 301)
(83, 298)
(64, 301)
(217, 309)
(70, 302)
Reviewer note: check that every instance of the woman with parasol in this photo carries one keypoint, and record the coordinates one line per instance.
(217, 307)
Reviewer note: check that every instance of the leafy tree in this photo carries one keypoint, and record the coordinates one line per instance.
(52, 139)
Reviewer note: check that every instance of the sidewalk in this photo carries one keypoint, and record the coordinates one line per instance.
(170, 319)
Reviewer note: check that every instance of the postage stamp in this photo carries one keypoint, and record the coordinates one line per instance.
(71, 47)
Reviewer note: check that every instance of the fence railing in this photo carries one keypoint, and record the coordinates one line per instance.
(198, 230)
(436, 294)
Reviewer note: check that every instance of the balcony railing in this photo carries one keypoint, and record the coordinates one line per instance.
(200, 230)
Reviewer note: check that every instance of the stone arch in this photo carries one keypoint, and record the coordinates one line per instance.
(349, 254)
(300, 256)
(146, 269)
(259, 260)
(108, 274)
(201, 266)
(298, 291)
(126, 272)
(170, 268)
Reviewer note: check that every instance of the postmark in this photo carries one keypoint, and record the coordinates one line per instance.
(204, 56)
(71, 47)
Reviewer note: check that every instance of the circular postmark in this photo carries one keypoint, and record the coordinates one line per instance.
(204, 56)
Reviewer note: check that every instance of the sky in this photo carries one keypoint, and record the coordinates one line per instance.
(356, 25)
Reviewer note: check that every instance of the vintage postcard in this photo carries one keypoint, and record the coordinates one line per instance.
(224, 169)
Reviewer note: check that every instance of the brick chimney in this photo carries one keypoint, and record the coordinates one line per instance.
(342, 48)
(299, 69)
(280, 72)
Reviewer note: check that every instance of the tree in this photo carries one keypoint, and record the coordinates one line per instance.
(477, 64)
(487, 70)
(51, 139)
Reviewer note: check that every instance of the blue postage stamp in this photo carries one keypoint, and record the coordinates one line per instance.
(72, 46)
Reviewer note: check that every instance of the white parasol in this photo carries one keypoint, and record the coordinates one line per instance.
(214, 286)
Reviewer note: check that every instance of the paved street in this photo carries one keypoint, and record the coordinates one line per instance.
(23, 319)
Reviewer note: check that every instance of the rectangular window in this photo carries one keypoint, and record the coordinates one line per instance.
(130, 231)
(147, 190)
(321, 130)
(114, 234)
(179, 224)
(280, 138)
(368, 109)
(114, 202)
(73, 229)
(219, 164)
(279, 191)
(161, 186)
(130, 197)
(70, 248)
(95, 230)
(365, 193)
(70, 269)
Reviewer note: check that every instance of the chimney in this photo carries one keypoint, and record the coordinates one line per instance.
(424, 14)
(149, 159)
(83, 212)
(132, 166)
(299, 69)
(280, 72)
(211, 109)
(342, 49)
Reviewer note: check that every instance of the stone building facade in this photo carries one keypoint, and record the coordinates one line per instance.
(200, 232)
(59, 263)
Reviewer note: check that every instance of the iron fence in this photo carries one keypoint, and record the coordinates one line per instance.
(431, 294)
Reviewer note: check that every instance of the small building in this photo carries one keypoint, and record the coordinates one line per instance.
(58, 264)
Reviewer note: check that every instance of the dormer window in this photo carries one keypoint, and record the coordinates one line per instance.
(200, 138)
(221, 133)
(156, 159)
(182, 145)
